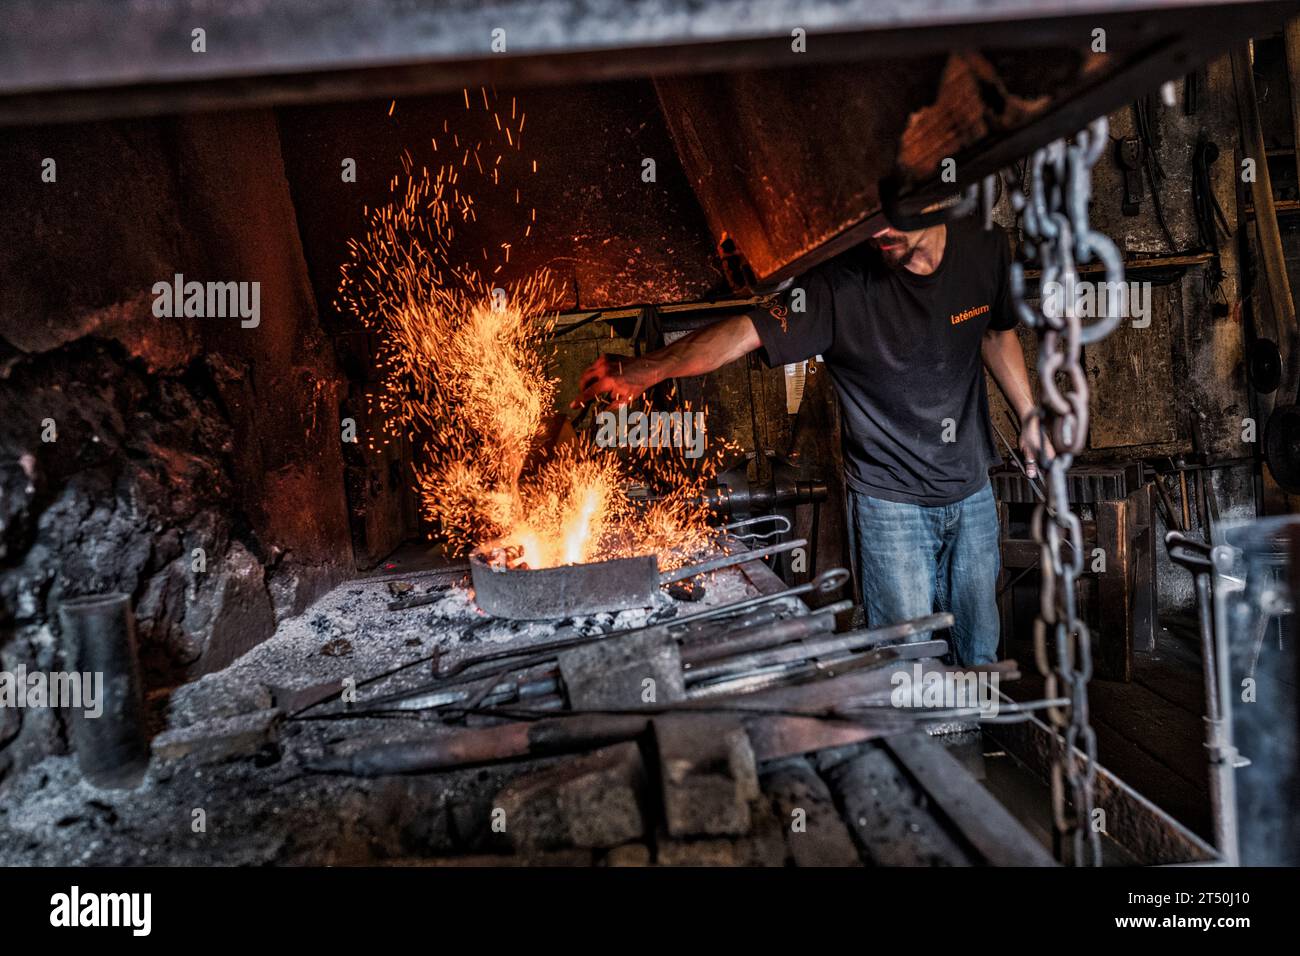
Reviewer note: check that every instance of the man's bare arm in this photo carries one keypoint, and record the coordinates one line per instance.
(1006, 361)
(623, 378)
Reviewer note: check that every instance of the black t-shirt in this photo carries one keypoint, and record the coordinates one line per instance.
(904, 352)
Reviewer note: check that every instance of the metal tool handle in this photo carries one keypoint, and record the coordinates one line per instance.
(783, 526)
(826, 582)
(1192, 554)
(729, 561)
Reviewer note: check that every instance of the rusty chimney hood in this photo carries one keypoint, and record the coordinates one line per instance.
(780, 120)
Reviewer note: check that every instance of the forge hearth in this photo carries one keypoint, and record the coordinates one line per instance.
(335, 741)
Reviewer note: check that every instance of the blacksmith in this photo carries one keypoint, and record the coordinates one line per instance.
(906, 324)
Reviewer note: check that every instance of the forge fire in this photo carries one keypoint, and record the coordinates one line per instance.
(465, 374)
(668, 434)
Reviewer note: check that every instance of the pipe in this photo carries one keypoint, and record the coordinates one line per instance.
(1223, 754)
(99, 640)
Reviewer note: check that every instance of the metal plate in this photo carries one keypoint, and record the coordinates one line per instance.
(573, 590)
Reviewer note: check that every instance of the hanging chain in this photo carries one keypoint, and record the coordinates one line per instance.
(1053, 209)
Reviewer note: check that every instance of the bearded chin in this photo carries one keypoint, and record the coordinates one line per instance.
(898, 260)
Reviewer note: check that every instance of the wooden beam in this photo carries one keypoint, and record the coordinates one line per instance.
(986, 824)
(1270, 238)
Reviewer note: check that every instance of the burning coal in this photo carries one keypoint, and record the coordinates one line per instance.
(464, 369)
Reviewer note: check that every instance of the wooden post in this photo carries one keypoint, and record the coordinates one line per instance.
(1270, 238)
(1291, 39)
(1114, 592)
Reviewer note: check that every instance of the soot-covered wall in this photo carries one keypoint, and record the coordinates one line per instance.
(191, 462)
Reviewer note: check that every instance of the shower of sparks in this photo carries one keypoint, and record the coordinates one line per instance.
(463, 365)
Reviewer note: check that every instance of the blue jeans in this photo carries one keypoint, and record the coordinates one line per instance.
(916, 560)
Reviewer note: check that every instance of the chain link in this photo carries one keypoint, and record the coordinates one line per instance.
(1053, 209)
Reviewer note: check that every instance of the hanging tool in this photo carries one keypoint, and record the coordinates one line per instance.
(1128, 154)
(1150, 159)
(1210, 223)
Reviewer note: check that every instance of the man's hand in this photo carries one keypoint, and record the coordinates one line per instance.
(1030, 452)
(1006, 360)
(623, 378)
(620, 377)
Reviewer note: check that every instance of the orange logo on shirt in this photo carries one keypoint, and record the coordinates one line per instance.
(968, 314)
(779, 312)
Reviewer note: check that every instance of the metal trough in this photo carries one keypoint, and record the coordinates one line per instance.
(573, 590)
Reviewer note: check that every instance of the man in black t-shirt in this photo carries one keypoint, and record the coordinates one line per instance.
(906, 324)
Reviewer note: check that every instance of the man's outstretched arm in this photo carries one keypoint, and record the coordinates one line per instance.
(623, 378)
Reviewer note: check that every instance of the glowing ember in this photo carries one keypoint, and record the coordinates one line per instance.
(463, 363)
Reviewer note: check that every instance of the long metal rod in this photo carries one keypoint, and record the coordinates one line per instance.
(1016, 458)
(800, 671)
(1222, 785)
(852, 641)
(761, 635)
